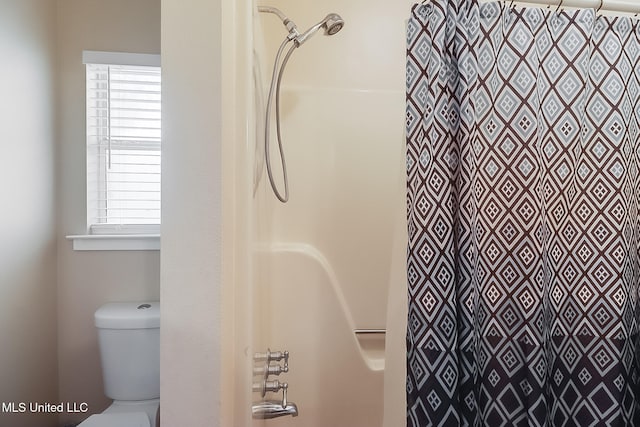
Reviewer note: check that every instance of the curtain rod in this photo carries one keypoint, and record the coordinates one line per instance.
(625, 6)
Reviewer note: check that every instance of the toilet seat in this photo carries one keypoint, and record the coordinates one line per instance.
(128, 419)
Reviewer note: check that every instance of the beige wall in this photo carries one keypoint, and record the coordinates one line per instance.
(27, 223)
(86, 280)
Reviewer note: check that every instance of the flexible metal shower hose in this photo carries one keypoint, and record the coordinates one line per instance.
(276, 80)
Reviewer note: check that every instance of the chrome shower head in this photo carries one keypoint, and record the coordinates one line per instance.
(332, 23)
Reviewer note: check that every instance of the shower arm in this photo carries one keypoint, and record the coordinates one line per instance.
(288, 23)
(274, 10)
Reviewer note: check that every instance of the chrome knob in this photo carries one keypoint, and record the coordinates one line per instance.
(264, 387)
(271, 356)
(267, 370)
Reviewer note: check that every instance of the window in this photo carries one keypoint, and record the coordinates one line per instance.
(123, 142)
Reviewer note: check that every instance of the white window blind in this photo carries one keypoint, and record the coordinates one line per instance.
(123, 146)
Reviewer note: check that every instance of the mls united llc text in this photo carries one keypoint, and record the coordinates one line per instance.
(36, 407)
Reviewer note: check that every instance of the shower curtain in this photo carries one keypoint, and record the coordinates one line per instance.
(523, 216)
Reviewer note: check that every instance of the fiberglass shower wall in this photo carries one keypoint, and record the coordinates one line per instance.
(324, 261)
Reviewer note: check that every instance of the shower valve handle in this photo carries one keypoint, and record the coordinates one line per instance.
(274, 386)
(265, 387)
(272, 356)
(268, 370)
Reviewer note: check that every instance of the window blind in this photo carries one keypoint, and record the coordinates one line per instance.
(123, 147)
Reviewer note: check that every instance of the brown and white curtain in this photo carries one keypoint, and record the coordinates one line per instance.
(523, 157)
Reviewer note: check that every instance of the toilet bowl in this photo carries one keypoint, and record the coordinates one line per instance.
(126, 414)
(129, 341)
(135, 419)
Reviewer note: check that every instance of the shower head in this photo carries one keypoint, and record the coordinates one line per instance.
(332, 23)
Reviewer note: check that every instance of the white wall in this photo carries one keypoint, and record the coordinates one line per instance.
(343, 129)
(86, 280)
(27, 222)
(191, 350)
(342, 125)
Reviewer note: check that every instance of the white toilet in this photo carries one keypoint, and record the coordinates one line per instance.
(129, 340)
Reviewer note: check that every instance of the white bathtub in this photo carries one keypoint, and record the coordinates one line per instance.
(334, 377)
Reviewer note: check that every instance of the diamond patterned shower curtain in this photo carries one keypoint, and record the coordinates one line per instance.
(523, 215)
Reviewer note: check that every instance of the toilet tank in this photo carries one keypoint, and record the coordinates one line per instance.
(129, 340)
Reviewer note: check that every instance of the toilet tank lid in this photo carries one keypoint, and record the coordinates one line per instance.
(128, 315)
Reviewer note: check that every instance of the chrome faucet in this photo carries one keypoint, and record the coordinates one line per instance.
(267, 409)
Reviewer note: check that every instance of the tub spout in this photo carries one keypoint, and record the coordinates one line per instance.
(268, 409)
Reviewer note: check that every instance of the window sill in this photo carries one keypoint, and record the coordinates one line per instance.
(116, 242)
